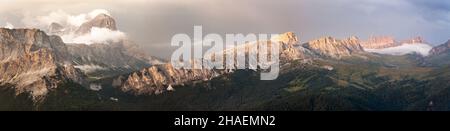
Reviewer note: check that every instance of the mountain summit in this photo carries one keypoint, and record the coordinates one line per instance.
(381, 42)
(34, 62)
(331, 47)
(100, 21)
(441, 49)
(415, 40)
(107, 57)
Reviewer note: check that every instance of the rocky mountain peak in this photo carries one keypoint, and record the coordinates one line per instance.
(379, 42)
(34, 62)
(106, 58)
(333, 47)
(100, 21)
(353, 38)
(414, 40)
(290, 47)
(155, 79)
(324, 40)
(444, 48)
(55, 28)
(287, 38)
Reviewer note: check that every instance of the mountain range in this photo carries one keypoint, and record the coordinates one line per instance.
(40, 72)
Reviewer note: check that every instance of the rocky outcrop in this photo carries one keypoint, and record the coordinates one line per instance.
(379, 42)
(100, 21)
(157, 79)
(287, 38)
(34, 62)
(56, 29)
(291, 48)
(441, 49)
(383, 42)
(415, 40)
(331, 47)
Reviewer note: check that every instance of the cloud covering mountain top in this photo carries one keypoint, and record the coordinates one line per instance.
(71, 23)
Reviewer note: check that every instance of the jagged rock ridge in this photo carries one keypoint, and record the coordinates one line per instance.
(381, 42)
(157, 79)
(441, 49)
(100, 21)
(34, 62)
(331, 47)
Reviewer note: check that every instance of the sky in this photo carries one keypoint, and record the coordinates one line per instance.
(152, 23)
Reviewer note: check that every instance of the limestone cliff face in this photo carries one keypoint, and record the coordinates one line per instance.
(157, 79)
(414, 40)
(441, 49)
(331, 47)
(34, 62)
(291, 48)
(382, 42)
(379, 42)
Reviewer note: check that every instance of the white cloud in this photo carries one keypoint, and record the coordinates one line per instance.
(72, 22)
(63, 18)
(96, 35)
(9, 25)
(422, 49)
(57, 16)
(77, 20)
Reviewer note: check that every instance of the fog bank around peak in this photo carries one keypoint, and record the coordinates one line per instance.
(70, 23)
(96, 35)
